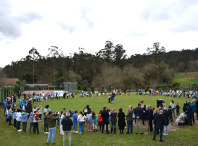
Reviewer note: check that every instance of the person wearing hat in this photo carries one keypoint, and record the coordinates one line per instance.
(67, 123)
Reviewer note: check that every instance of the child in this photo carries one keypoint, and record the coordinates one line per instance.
(94, 121)
(35, 121)
(24, 120)
(18, 118)
(81, 119)
(31, 121)
(75, 122)
(45, 124)
(61, 126)
(40, 112)
(71, 114)
(100, 119)
(23, 108)
(14, 117)
(177, 109)
(89, 121)
(34, 109)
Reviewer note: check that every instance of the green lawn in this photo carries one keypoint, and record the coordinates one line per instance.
(182, 136)
(185, 80)
(185, 73)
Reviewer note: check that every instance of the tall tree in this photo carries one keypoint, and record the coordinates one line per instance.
(119, 55)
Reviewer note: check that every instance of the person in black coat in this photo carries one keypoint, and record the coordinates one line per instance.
(121, 120)
(151, 119)
(196, 110)
(159, 120)
(189, 113)
(64, 95)
(29, 108)
(105, 119)
(67, 123)
(139, 117)
(166, 116)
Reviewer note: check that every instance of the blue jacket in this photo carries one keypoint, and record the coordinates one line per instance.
(21, 103)
(75, 118)
(24, 116)
(5, 104)
(14, 115)
(147, 115)
(71, 113)
(193, 105)
(184, 108)
(138, 112)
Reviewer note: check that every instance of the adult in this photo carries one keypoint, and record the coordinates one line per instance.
(113, 120)
(5, 105)
(197, 109)
(21, 103)
(166, 123)
(67, 123)
(147, 119)
(29, 108)
(19, 94)
(64, 95)
(14, 100)
(129, 119)
(52, 126)
(46, 109)
(189, 113)
(139, 117)
(159, 120)
(121, 120)
(172, 104)
(193, 105)
(86, 109)
(105, 119)
(151, 119)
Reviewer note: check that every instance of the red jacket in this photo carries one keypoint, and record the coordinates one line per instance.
(35, 118)
(99, 118)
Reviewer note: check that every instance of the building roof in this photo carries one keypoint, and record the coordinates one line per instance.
(8, 81)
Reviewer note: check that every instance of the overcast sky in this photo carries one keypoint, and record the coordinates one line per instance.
(136, 24)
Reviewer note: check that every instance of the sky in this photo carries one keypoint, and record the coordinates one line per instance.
(136, 25)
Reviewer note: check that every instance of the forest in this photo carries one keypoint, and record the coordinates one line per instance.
(109, 66)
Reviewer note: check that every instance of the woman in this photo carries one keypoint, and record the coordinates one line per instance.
(46, 109)
(113, 120)
(29, 108)
(172, 104)
(155, 114)
(121, 120)
(9, 114)
(163, 104)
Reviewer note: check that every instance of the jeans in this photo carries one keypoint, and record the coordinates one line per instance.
(156, 130)
(69, 137)
(52, 132)
(165, 129)
(75, 126)
(58, 122)
(100, 123)
(31, 125)
(18, 124)
(129, 124)
(45, 127)
(193, 118)
(24, 126)
(10, 118)
(113, 124)
(173, 111)
(36, 127)
(81, 127)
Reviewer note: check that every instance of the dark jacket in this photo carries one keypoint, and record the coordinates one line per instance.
(170, 113)
(147, 115)
(154, 116)
(189, 111)
(121, 120)
(67, 123)
(51, 120)
(29, 108)
(165, 113)
(114, 117)
(184, 108)
(159, 120)
(151, 116)
(129, 116)
(138, 112)
(45, 121)
(105, 117)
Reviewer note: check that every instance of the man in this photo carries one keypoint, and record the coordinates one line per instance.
(139, 117)
(19, 94)
(159, 120)
(105, 119)
(129, 118)
(166, 116)
(151, 119)
(67, 123)
(189, 113)
(21, 103)
(147, 119)
(193, 105)
(52, 126)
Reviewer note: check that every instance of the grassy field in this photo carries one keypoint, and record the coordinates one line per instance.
(182, 136)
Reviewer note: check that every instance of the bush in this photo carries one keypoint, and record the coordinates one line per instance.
(92, 89)
(85, 88)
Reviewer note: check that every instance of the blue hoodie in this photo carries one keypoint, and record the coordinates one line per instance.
(14, 115)
(5, 104)
(71, 113)
(75, 118)
(24, 116)
(193, 105)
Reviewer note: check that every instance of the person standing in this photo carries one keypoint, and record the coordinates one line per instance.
(147, 119)
(159, 120)
(105, 119)
(193, 105)
(172, 104)
(67, 123)
(113, 120)
(129, 118)
(121, 120)
(139, 117)
(189, 113)
(21, 103)
(19, 94)
(165, 113)
(52, 126)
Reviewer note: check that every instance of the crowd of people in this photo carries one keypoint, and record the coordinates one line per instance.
(107, 119)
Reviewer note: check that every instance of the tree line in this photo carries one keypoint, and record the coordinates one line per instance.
(109, 66)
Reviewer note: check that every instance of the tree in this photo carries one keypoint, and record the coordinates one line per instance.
(119, 55)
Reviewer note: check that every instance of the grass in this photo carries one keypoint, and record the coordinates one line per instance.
(185, 80)
(182, 136)
(185, 73)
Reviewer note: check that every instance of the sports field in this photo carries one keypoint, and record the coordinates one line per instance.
(182, 136)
